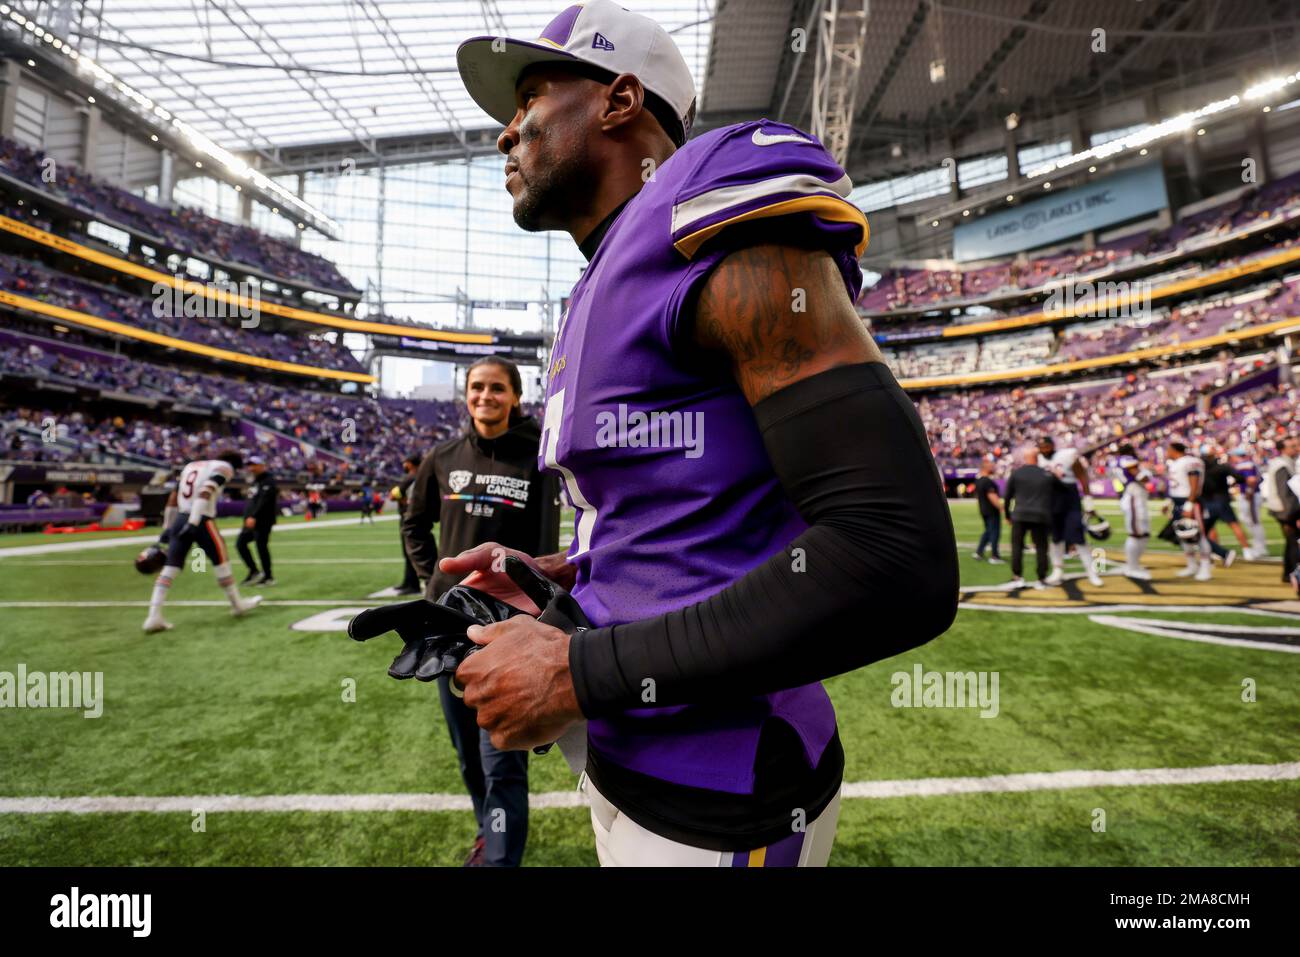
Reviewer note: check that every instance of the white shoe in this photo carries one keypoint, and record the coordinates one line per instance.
(1095, 580)
(1229, 558)
(977, 556)
(1055, 578)
(996, 561)
(245, 606)
(156, 623)
(1187, 572)
(1039, 585)
(1203, 573)
(1141, 574)
(1017, 583)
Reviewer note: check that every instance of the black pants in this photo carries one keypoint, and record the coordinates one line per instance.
(1213, 509)
(992, 531)
(1290, 548)
(409, 578)
(1038, 532)
(497, 782)
(262, 535)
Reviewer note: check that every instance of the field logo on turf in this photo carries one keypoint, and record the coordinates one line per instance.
(76, 690)
(946, 689)
(639, 429)
(73, 910)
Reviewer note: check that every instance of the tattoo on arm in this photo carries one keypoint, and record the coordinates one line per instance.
(780, 314)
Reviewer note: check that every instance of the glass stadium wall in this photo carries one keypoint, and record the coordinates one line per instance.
(425, 241)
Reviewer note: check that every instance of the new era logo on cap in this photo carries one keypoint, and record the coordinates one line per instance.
(491, 65)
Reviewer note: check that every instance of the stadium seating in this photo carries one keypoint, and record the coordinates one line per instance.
(33, 280)
(918, 288)
(346, 437)
(186, 230)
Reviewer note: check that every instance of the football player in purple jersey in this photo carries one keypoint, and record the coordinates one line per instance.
(756, 504)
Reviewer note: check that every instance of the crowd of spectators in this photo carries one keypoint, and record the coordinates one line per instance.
(328, 435)
(965, 426)
(923, 288)
(36, 281)
(1230, 312)
(186, 230)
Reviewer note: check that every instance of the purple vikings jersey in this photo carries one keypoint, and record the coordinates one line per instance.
(660, 453)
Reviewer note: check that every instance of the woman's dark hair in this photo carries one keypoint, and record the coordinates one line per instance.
(516, 382)
(413, 459)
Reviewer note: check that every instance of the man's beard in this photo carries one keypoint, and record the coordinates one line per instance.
(553, 192)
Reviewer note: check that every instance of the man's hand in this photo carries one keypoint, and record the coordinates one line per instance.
(250, 523)
(519, 682)
(484, 567)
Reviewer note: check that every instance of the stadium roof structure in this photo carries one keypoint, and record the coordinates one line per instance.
(266, 75)
(935, 70)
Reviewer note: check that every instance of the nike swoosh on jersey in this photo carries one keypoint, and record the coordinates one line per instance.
(771, 139)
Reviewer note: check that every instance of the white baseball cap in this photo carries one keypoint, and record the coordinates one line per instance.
(599, 33)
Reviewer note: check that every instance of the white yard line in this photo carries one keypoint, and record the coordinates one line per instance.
(920, 787)
(17, 551)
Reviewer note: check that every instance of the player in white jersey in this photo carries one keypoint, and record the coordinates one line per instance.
(1134, 504)
(1186, 476)
(1252, 506)
(197, 492)
(1067, 515)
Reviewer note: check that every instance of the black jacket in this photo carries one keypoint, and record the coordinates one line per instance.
(404, 492)
(480, 490)
(1033, 491)
(263, 500)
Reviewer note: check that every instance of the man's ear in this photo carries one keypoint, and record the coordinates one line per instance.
(625, 99)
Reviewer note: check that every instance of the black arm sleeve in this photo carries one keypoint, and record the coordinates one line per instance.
(874, 574)
(423, 509)
(1009, 496)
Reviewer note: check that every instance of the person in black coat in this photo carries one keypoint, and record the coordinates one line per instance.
(1028, 501)
(401, 493)
(260, 512)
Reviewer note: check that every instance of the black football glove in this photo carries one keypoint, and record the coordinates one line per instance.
(434, 639)
(433, 634)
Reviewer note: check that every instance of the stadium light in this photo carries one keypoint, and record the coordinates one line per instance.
(1157, 131)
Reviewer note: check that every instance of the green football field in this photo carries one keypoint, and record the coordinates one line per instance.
(1176, 744)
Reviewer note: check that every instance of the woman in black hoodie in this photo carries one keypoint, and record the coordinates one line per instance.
(484, 486)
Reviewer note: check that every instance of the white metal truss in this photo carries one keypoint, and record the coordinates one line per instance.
(841, 35)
